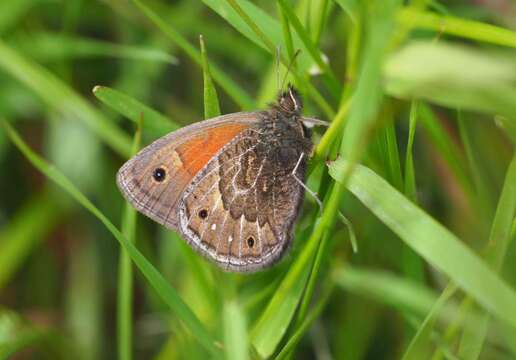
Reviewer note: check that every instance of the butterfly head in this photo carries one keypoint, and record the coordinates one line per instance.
(290, 101)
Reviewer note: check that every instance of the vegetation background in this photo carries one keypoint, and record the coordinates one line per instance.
(411, 256)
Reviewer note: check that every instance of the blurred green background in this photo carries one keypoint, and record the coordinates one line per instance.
(421, 93)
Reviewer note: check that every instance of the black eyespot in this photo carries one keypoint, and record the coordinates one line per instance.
(203, 214)
(159, 174)
(250, 241)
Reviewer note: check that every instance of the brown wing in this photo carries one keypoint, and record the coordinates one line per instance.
(239, 211)
(179, 156)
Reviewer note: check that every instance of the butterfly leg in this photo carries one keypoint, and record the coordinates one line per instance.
(307, 189)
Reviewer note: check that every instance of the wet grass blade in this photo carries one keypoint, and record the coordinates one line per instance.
(158, 282)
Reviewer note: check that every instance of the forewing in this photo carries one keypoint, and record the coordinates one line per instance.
(181, 154)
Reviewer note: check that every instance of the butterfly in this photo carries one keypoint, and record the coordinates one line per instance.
(232, 186)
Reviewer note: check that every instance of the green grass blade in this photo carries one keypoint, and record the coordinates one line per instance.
(125, 275)
(501, 230)
(467, 29)
(244, 15)
(260, 28)
(410, 177)
(333, 132)
(238, 94)
(328, 75)
(274, 321)
(235, 332)
(393, 155)
(17, 338)
(387, 288)
(304, 326)
(287, 33)
(83, 300)
(158, 282)
(322, 14)
(12, 11)
(350, 7)
(134, 110)
(367, 97)
(51, 47)
(412, 264)
(388, 154)
(62, 98)
(421, 344)
(431, 240)
(312, 279)
(211, 100)
(257, 30)
(446, 147)
(125, 297)
(25, 230)
(473, 339)
(453, 76)
(483, 193)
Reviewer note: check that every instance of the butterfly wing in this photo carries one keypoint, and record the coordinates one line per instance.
(240, 209)
(178, 156)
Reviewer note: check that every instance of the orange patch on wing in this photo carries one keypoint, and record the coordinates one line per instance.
(196, 152)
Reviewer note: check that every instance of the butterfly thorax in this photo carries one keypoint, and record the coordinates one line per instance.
(282, 135)
(282, 138)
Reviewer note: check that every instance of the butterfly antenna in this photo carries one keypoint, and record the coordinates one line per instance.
(278, 57)
(290, 67)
